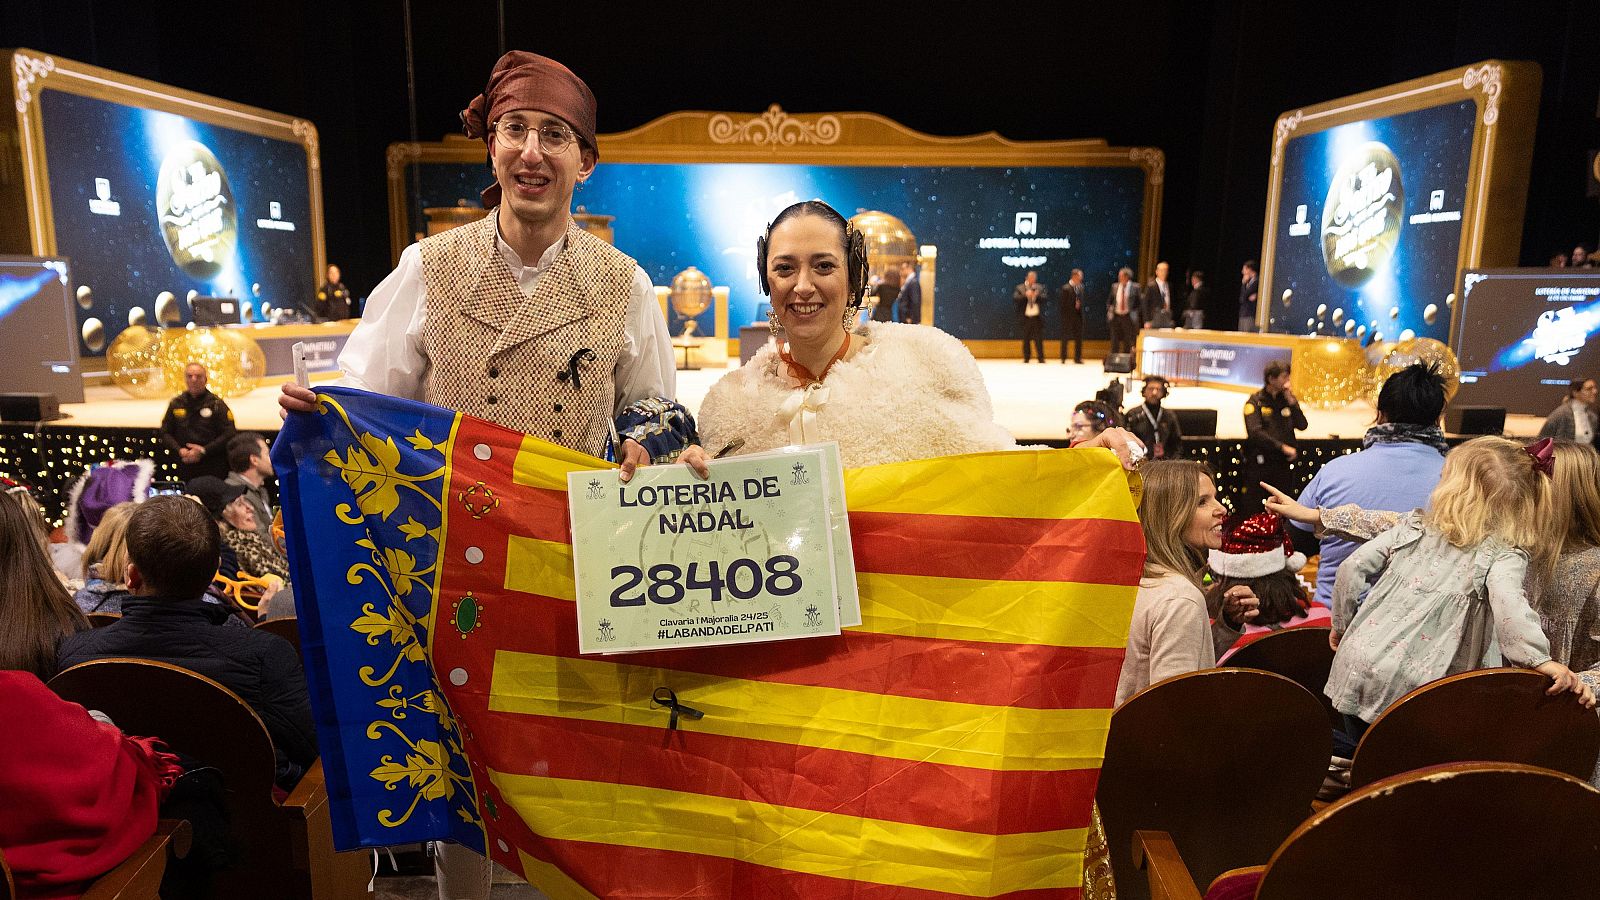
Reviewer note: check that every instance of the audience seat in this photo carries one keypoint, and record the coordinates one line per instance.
(138, 877)
(1501, 715)
(287, 847)
(287, 628)
(1225, 760)
(101, 620)
(1460, 832)
(1301, 655)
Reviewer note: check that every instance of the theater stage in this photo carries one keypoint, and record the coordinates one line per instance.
(1032, 401)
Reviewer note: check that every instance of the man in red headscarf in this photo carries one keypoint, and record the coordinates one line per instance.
(521, 318)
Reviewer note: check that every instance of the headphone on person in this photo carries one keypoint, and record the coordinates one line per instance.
(855, 252)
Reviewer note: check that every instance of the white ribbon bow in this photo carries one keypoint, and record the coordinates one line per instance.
(800, 409)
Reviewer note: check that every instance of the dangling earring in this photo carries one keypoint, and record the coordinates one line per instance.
(850, 314)
(772, 321)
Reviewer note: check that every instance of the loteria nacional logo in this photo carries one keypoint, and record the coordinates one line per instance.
(1362, 216)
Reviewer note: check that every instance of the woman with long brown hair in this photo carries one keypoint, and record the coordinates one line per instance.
(36, 611)
(1171, 633)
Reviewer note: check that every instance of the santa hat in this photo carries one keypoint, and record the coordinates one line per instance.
(1254, 547)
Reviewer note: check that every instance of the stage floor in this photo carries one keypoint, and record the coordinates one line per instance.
(1032, 401)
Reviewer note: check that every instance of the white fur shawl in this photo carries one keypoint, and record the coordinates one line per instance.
(912, 392)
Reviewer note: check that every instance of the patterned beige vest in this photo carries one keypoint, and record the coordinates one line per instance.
(496, 352)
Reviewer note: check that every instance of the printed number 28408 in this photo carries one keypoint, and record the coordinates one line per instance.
(743, 578)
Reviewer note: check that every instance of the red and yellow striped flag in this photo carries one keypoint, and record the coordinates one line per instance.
(948, 747)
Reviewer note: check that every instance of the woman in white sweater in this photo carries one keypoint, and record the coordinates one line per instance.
(1171, 632)
(885, 392)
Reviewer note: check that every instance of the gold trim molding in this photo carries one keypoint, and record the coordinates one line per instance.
(29, 69)
(773, 128)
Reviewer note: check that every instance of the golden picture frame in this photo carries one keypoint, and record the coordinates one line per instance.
(1506, 96)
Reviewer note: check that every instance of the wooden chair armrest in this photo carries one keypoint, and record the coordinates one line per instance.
(1155, 852)
(139, 876)
(309, 794)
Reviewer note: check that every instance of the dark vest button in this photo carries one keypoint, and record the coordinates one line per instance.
(556, 407)
(556, 434)
(494, 372)
(491, 400)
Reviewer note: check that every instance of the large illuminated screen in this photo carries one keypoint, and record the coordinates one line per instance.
(990, 225)
(154, 208)
(38, 343)
(1369, 226)
(1526, 334)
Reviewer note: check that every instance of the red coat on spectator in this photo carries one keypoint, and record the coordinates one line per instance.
(77, 796)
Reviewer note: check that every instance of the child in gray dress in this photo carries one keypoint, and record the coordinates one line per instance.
(1447, 581)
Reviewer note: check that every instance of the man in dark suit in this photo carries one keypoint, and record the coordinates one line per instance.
(1194, 308)
(1157, 300)
(908, 306)
(1027, 297)
(1072, 317)
(1249, 287)
(1122, 311)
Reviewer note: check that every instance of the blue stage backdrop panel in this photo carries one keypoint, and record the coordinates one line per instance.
(708, 215)
(1369, 223)
(110, 207)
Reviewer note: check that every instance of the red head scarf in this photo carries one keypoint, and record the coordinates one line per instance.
(523, 80)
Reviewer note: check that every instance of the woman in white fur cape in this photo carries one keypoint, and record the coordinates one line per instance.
(885, 392)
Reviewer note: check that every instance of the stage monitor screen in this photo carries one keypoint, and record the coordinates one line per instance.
(1526, 334)
(1369, 226)
(1377, 201)
(155, 209)
(38, 332)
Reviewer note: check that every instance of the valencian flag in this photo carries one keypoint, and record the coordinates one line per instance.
(947, 747)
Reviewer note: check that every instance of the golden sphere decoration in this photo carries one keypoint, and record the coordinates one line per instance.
(888, 240)
(134, 361)
(233, 358)
(1331, 374)
(1417, 350)
(1362, 215)
(691, 296)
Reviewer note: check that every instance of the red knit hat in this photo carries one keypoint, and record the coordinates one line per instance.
(1254, 547)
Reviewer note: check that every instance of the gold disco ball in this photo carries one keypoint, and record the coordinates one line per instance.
(1331, 374)
(691, 296)
(232, 357)
(134, 361)
(1418, 350)
(889, 242)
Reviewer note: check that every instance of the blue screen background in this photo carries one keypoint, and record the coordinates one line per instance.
(708, 215)
(123, 258)
(1434, 148)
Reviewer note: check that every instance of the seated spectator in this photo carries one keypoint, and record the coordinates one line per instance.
(1398, 465)
(172, 557)
(36, 611)
(1575, 419)
(1256, 552)
(1151, 423)
(65, 557)
(105, 563)
(1170, 633)
(250, 465)
(1090, 418)
(77, 796)
(235, 517)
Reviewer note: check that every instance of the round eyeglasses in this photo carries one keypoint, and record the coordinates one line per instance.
(552, 138)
